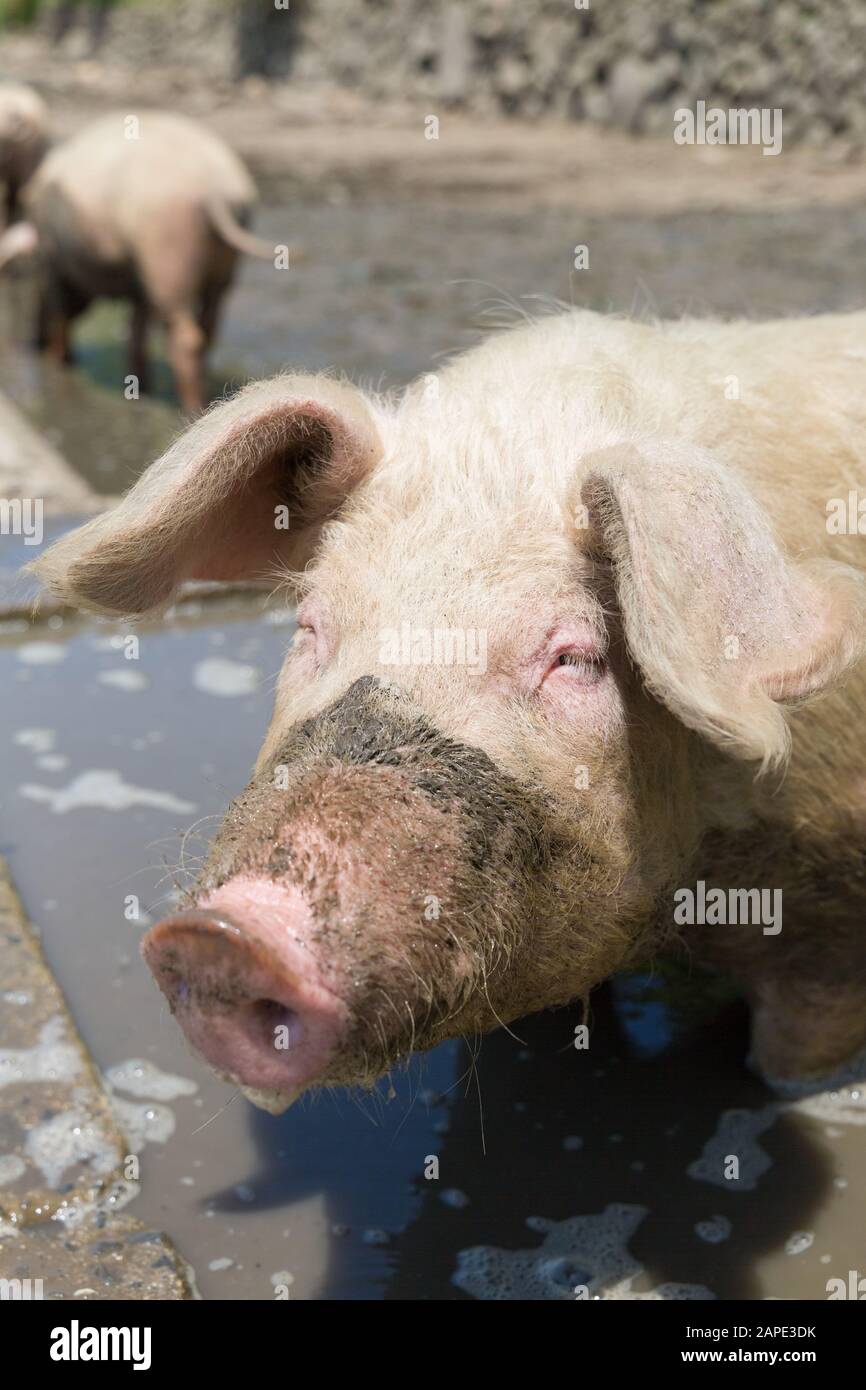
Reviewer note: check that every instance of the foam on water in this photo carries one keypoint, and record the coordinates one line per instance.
(40, 740)
(124, 680)
(66, 1139)
(41, 653)
(799, 1242)
(52, 1058)
(11, 1168)
(143, 1122)
(106, 790)
(218, 675)
(735, 1136)
(714, 1230)
(582, 1257)
(140, 1078)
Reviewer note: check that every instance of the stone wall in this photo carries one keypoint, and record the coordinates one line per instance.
(627, 63)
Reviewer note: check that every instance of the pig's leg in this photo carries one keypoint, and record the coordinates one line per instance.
(11, 202)
(801, 1030)
(138, 342)
(58, 307)
(186, 351)
(171, 262)
(209, 314)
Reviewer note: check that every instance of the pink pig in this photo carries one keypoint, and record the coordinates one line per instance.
(564, 608)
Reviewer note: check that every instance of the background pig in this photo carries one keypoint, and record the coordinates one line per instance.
(147, 208)
(428, 850)
(23, 139)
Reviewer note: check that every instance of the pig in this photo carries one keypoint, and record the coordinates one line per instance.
(24, 126)
(148, 208)
(566, 608)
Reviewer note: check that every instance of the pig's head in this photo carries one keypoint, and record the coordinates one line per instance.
(527, 644)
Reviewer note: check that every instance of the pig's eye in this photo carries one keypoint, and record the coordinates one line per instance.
(578, 665)
(305, 639)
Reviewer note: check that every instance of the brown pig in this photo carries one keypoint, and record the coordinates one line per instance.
(148, 208)
(564, 610)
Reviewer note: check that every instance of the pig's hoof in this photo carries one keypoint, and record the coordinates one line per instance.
(810, 1081)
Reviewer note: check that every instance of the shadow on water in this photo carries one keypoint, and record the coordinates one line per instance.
(356, 1154)
(568, 1133)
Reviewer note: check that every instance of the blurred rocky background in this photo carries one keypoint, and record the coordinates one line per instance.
(613, 62)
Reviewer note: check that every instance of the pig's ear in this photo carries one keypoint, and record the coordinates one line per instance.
(242, 494)
(723, 626)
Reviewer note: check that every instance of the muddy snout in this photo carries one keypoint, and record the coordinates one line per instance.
(256, 1013)
(353, 901)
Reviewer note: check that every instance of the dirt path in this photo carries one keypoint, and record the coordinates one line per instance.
(296, 136)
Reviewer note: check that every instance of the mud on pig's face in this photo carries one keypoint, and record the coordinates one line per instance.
(406, 863)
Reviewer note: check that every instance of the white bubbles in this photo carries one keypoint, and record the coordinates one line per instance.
(799, 1242)
(220, 676)
(714, 1230)
(106, 790)
(140, 1078)
(66, 1139)
(735, 1137)
(123, 680)
(584, 1257)
(41, 653)
(52, 1059)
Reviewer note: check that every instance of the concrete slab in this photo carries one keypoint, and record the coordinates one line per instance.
(30, 467)
(66, 1173)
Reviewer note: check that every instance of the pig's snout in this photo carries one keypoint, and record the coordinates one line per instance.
(245, 989)
(370, 907)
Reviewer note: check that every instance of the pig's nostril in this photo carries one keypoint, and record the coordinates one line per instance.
(246, 1004)
(275, 1024)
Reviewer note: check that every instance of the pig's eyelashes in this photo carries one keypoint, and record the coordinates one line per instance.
(310, 645)
(305, 639)
(578, 665)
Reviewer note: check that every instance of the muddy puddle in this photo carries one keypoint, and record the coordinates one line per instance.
(533, 1169)
(559, 1173)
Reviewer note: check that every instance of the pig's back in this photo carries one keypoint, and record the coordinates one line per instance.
(783, 402)
(117, 186)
